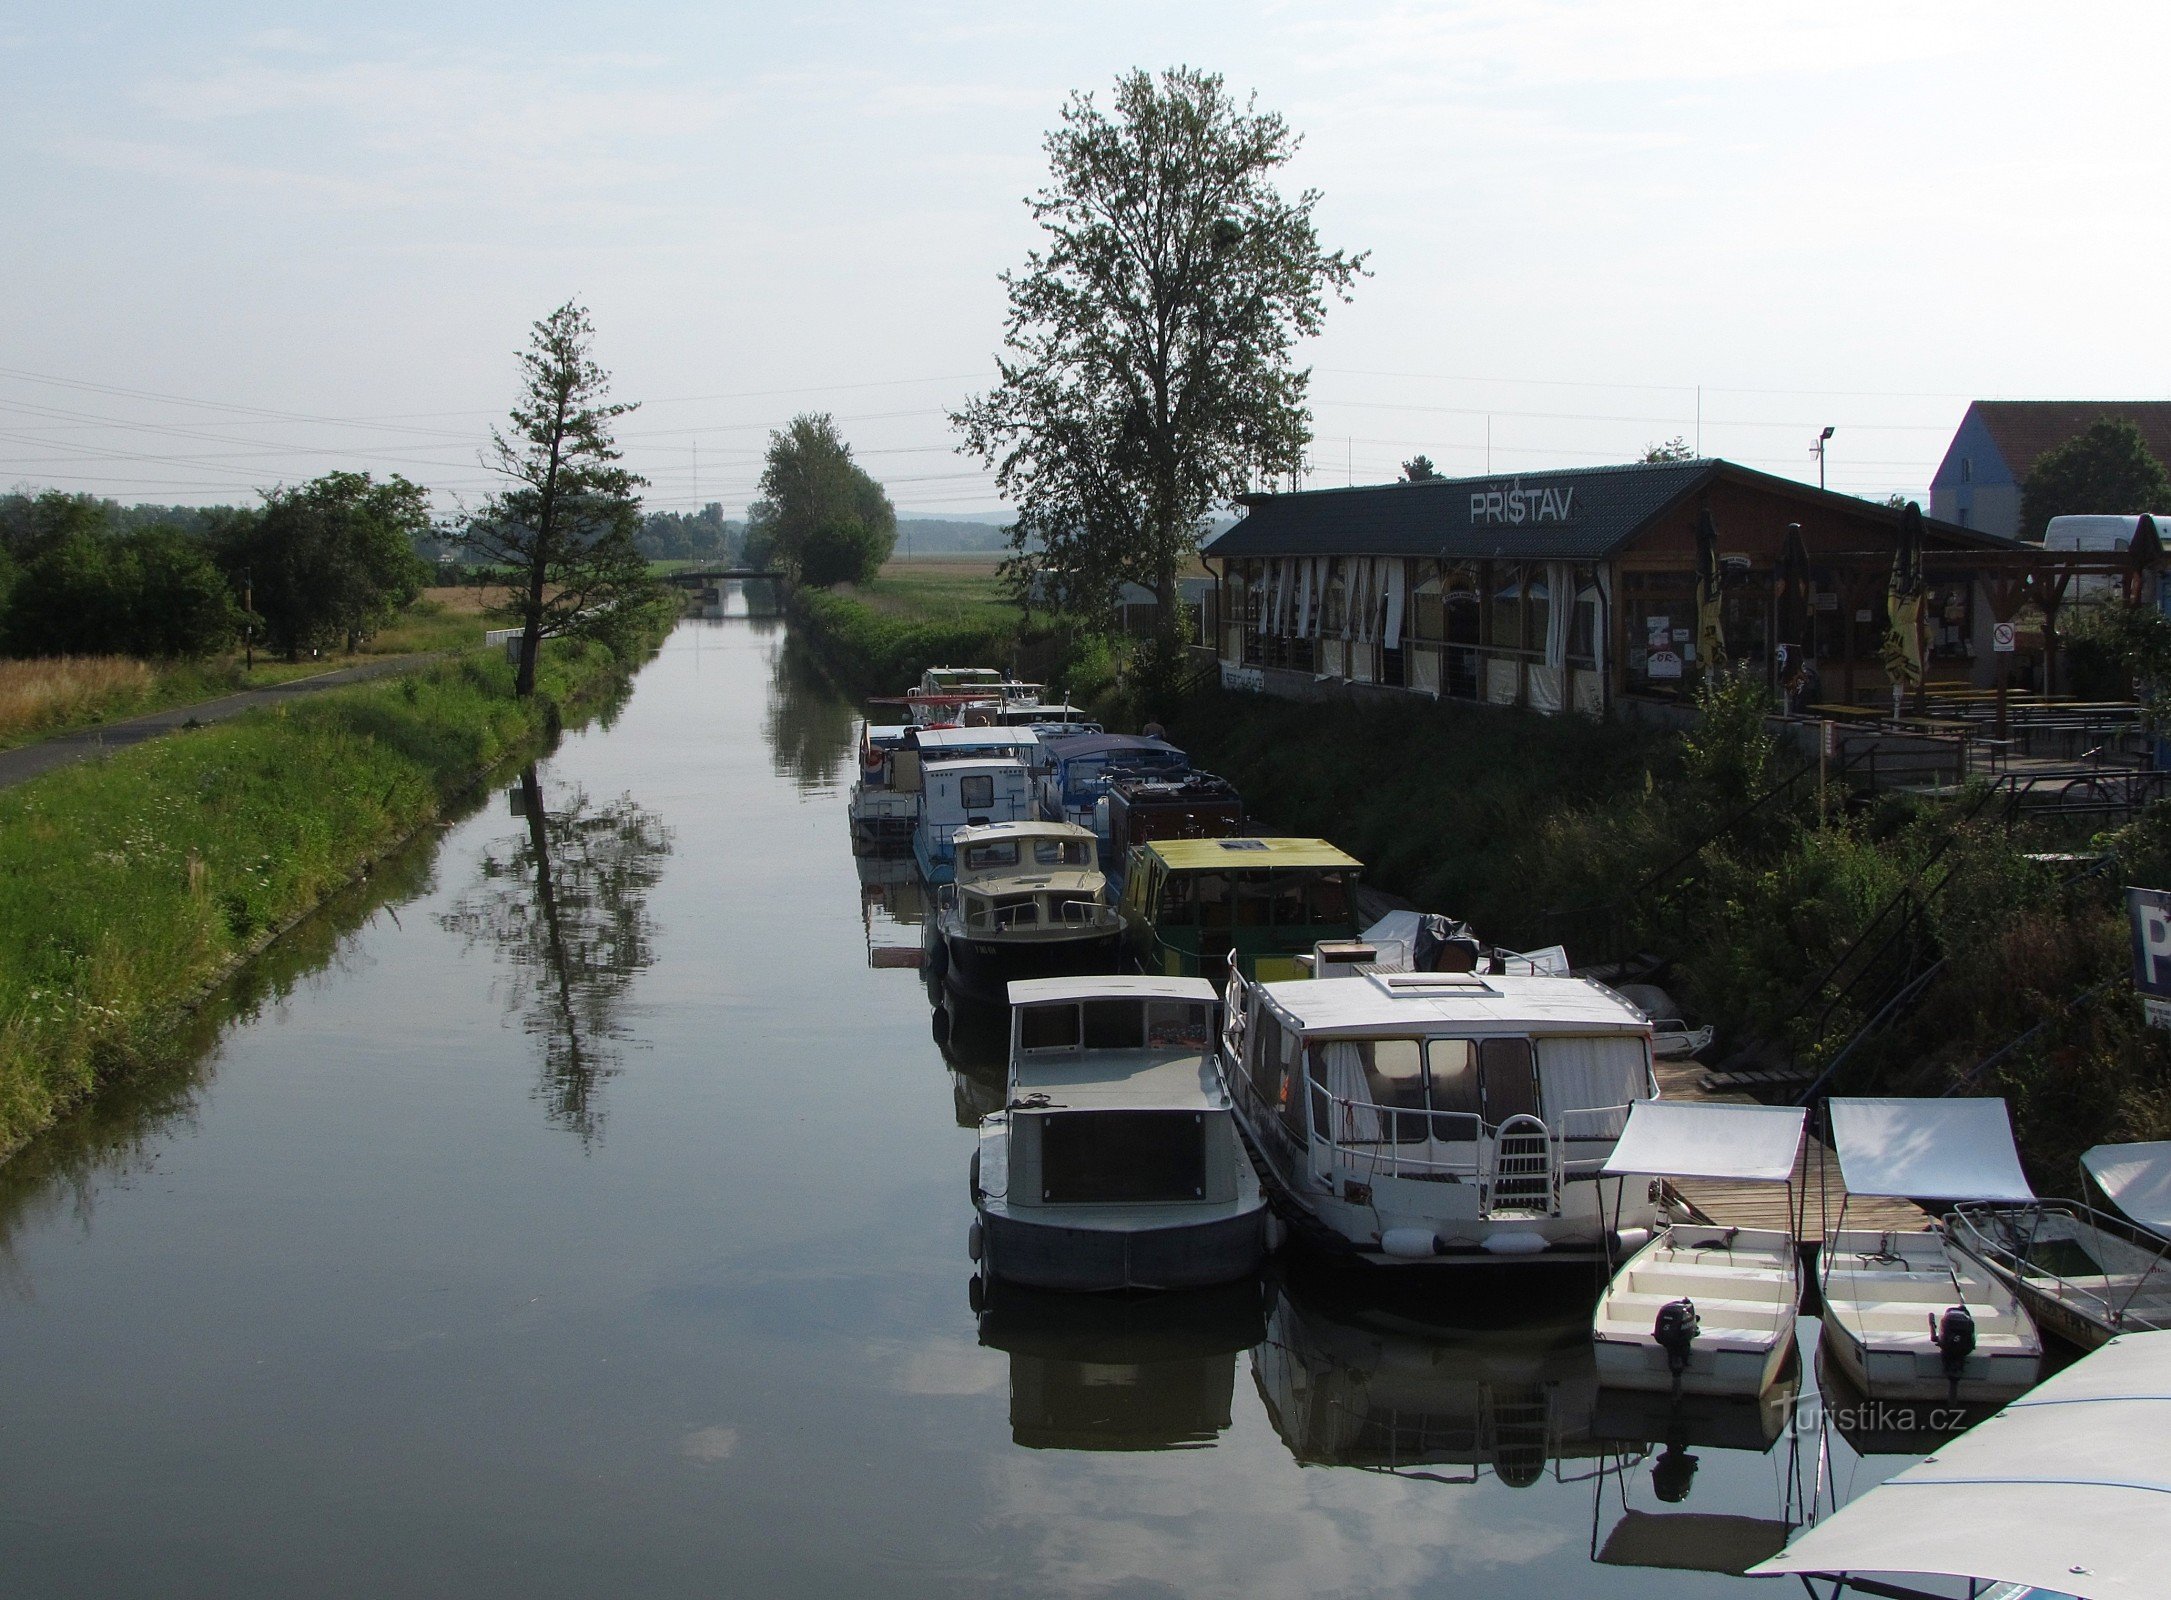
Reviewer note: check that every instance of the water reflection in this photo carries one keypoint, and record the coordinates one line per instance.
(566, 907)
(1347, 1383)
(1112, 1373)
(810, 728)
(975, 1043)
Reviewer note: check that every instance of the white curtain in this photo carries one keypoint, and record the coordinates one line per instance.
(1602, 622)
(1346, 1081)
(1397, 572)
(1367, 595)
(1302, 628)
(1319, 595)
(1350, 567)
(1559, 601)
(1588, 1075)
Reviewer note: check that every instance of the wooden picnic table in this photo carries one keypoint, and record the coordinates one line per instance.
(1848, 713)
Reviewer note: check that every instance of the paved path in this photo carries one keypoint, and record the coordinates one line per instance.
(20, 765)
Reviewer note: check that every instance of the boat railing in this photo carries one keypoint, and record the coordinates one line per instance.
(2007, 1236)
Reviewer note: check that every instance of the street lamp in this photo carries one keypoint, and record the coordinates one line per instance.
(1817, 450)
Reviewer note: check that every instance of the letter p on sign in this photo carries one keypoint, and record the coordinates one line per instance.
(2150, 913)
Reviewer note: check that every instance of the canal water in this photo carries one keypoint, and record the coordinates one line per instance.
(581, 1208)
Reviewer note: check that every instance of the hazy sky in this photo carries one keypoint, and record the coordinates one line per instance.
(247, 243)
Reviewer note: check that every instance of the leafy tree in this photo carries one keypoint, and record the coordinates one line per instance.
(1675, 449)
(1148, 374)
(841, 550)
(809, 482)
(157, 592)
(330, 560)
(2106, 469)
(566, 526)
(1419, 469)
(31, 525)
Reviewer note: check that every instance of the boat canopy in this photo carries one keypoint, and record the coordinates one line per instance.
(2066, 1489)
(1704, 1139)
(1958, 1149)
(935, 743)
(1231, 855)
(1100, 744)
(1109, 986)
(2137, 1177)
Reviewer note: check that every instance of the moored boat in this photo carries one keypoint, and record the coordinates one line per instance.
(1116, 1162)
(1430, 1118)
(882, 811)
(1701, 1308)
(1907, 1315)
(2082, 1274)
(1027, 900)
(2136, 1179)
(1190, 905)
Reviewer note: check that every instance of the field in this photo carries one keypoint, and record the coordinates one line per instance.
(41, 698)
(960, 589)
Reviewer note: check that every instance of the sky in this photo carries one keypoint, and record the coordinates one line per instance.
(249, 243)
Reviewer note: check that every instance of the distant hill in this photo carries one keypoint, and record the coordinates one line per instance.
(930, 536)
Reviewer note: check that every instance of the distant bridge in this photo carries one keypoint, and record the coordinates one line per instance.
(704, 577)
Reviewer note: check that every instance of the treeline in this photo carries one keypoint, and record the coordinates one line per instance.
(323, 564)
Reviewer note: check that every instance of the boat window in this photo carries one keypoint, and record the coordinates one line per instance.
(1264, 1043)
(1178, 900)
(1213, 894)
(1254, 907)
(1072, 909)
(1327, 899)
(1059, 852)
(1508, 1072)
(1003, 853)
(978, 913)
(1179, 1025)
(1017, 911)
(1114, 1157)
(1451, 1065)
(1050, 1027)
(976, 792)
(1114, 1025)
(1287, 893)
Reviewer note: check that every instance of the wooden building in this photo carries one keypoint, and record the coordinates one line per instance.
(1573, 590)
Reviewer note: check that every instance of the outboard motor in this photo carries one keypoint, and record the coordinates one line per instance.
(1674, 1330)
(1954, 1335)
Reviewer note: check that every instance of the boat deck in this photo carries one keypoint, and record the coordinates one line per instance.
(1764, 1205)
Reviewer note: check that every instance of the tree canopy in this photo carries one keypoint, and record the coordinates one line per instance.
(1419, 469)
(2106, 469)
(1675, 449)
(329, 561)
(567, 521)
(1148, 372)
(813, 497)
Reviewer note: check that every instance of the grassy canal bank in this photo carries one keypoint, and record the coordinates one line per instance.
(129, 886)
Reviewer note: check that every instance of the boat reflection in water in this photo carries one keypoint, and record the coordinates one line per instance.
(1121, 1372)
(1359, 1384)
(975, 1044)
(1637, 1515)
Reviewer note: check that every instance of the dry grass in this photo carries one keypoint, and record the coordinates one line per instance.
(58, 691)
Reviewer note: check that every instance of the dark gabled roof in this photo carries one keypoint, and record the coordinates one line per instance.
(2024, 429)
(1577, 514)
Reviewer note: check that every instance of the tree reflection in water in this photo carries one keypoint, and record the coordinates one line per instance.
(566, 907)
(809, 724)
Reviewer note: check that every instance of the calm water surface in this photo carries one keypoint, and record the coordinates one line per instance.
(582, 1210)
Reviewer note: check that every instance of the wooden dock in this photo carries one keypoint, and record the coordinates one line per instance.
(1764, 1205)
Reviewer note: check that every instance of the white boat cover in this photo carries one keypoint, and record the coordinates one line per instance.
(1709, 1139)
(2067, 1488)
(1928, 1149)
(2137, 1177)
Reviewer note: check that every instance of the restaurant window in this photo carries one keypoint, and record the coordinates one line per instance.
(1507, 607)
(1583, 622)
(1335, 611)
(1428, 610)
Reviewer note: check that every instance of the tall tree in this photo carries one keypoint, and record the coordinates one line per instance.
(1419, 469)
(330, 559)
(2107, 469)
(811, 490)
(1148, 373)
(567, 523)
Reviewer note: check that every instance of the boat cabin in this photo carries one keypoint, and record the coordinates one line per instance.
(1189, 904)
(1080, 768)
(1428, 1114)
(963, 794)
(1139, 808)
(1114, 1098)
(1026, 877)
(922, 745)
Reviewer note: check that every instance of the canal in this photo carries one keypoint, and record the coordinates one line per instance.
(581, 1208)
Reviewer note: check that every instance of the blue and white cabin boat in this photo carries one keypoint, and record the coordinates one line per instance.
(1441, 1117)
(966, 793)
(1080, 767)
(1116, 1162)
(882, 811)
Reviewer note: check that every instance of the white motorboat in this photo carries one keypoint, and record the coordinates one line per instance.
(1409, 1117)
(2082, 1274)
(1115, 1163)
(883, 811)
(1701, 1308)
(1028, 901)
(967, 790)
(1907, 1314)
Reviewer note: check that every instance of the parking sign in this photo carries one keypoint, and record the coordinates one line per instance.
(2149, 911)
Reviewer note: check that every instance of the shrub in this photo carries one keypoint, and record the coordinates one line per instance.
(840, 550)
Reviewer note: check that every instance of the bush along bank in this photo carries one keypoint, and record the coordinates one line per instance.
(129, 886)
(1904, 945)
(867, 652)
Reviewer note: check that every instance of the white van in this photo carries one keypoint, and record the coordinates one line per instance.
(2096, 534)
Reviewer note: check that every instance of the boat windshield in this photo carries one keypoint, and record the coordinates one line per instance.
(1002, 853)
(1284, 899)
(1116, 1023)
(1059, 852)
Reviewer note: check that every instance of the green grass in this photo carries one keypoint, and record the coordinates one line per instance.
(129, 885)
(959, 591)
